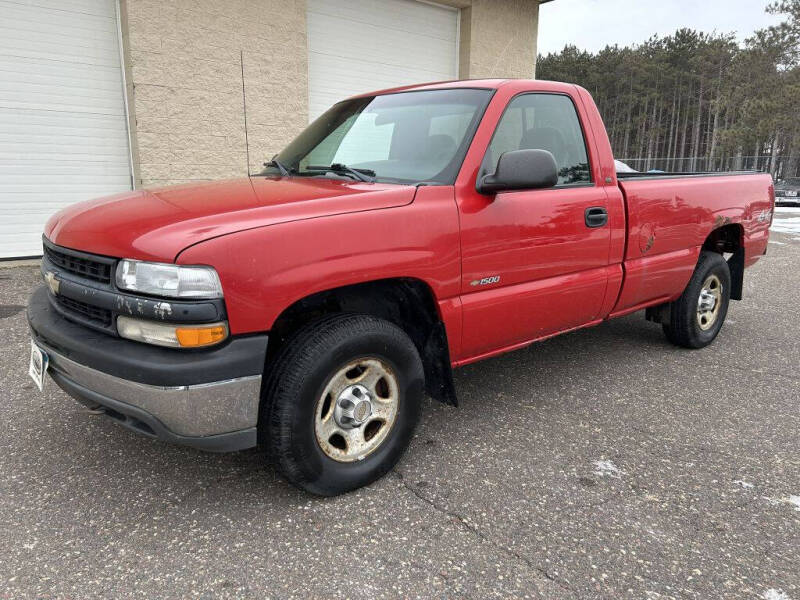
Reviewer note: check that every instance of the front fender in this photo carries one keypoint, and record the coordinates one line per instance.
(267, 269)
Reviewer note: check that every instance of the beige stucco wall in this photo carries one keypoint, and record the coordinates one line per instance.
(187, 62)
(498, 39)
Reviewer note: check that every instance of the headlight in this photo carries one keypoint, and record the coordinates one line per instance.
(173, 336)
(172, 281)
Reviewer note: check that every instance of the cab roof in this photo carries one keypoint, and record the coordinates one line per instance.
(489, 84)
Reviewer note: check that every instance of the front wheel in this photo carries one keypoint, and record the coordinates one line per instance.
(697, 316)
(342, 402)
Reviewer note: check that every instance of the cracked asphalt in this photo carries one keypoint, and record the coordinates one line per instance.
(600, 464)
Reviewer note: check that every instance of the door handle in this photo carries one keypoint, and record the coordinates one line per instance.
(596, 216)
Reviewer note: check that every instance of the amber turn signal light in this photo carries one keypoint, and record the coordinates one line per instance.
(170, 334)
(195, 337)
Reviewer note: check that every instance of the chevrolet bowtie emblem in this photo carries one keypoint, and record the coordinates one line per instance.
(52, 282)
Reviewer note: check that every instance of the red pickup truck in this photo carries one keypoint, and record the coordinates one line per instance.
(403, 233)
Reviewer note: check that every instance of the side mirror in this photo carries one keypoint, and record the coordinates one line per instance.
(520, 170)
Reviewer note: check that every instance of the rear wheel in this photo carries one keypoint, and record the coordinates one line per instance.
(341, 404)
(697, 316)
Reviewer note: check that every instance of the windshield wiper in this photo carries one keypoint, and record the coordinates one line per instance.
(278, 165)
(367, 175)
(362, 174)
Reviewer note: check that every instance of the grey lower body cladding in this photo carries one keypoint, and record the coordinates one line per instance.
(207, 399)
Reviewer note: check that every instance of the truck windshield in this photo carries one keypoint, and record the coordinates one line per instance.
(408, 137)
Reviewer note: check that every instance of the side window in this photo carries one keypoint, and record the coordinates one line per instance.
(546, 122)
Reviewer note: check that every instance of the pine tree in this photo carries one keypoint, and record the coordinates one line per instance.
(694, 100)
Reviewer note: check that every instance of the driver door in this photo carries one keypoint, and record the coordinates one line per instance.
(533, 264)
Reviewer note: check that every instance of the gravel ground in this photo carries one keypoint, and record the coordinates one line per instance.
(603, 463)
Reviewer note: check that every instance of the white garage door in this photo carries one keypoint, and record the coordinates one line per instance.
(63, 129)
(356, 46)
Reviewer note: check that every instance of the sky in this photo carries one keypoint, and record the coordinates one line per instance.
(593, 24)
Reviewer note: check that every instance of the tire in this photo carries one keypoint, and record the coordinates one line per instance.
(688, 327)
(300, 427)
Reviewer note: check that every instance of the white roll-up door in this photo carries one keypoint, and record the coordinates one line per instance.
(63, 127)
(356, 46)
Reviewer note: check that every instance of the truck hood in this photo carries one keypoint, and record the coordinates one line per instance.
(157, 224)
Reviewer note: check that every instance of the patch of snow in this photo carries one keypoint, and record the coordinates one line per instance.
(789, 225)
(621, 167)
(744, 484)
(606, 468)
(777, 243)
(773, 594)
(793, 500)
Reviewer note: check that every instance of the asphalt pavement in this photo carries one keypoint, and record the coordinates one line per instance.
(604, 463)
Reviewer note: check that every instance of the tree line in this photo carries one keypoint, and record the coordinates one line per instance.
(697, 101)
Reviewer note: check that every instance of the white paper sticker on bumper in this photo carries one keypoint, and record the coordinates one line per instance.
(38, 365)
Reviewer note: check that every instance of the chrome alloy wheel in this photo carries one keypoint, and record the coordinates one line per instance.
(356, 410)
(709, 302)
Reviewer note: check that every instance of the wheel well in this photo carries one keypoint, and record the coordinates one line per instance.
(729, 241)
(406, 302)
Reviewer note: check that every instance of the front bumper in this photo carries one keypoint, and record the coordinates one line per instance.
(208, 399)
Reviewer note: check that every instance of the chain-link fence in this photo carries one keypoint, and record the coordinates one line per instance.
(762, 163)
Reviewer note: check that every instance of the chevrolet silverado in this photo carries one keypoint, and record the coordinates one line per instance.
(404, 233)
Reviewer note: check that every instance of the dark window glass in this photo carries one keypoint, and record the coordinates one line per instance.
(546, 122)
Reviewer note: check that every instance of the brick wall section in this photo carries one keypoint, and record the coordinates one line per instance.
(185, 61)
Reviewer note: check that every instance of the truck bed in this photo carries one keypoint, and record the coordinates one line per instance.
(668, 225)
(681, 174)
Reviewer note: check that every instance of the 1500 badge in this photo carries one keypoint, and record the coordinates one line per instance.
(486, 281)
